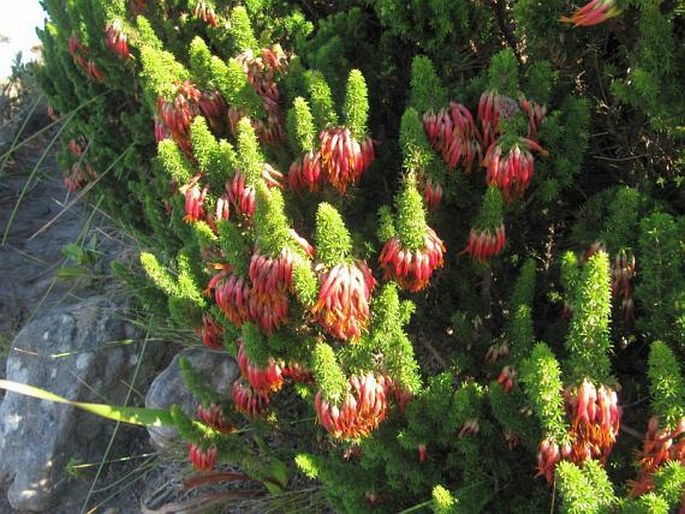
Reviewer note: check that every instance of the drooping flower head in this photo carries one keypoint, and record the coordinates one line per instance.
(454, 134)
(345, 286)
(202, 459)
(178, 111)
(487, 237)
(249, 402)
(264, 380)
(117, 40)
(593, 13)
(211, 333)
(205, 12)
(195, 199)
(411, 256)
(212, 415)
(595, 420)
(511, 170)
(359, 412)
(231, 294)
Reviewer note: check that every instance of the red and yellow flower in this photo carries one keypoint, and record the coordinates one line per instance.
(593, 13)
(263, 380)
(412, 270)
(359, 413)
(203, 459)
(343, 158)
(485, 243)
(249, 402)
(343, 303)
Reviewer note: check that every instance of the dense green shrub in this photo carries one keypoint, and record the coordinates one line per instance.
(451, 231)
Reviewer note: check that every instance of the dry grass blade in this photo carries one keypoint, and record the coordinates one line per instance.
(199, 504)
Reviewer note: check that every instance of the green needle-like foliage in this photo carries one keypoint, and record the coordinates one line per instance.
(205, 146)
(173, 162)
(234, 245)
(427, 90)
(386, 224)
(255, 345)
(541, 378)
(443, 501)
(250, 158)
(322, 105)
(271, 223)
(161, 72)
(588, 339)
(666, 385)
(301, 129)
(333, 241)
(417, 155)
(669, 481)
(329, 376)
(584, 491)
(503, 73)
(161, 277)
(411, 215)
(356, 108)
(490, 216)
(241, 30)
(306, 284)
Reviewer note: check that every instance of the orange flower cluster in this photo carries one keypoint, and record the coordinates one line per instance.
(622, 271)
(593, 13)
(344, 159)
(116, 40)
(361, 411)
(595, 421)
(271, 280)
(412, 270)
(202, 459)
(484, 244)
(263, 380)
(659, 447)
(249, 402)
(343, 304)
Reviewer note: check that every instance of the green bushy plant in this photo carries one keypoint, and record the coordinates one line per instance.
(443, 240)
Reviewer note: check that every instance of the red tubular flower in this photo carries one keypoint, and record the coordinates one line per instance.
(455, 135)
(422, 452)
(658, 448)
(593, 13)
(211, 333)
(74, 178)
(595, 421)
(263, 380)
(360, 412)
(623, 270)
(222, 211)
(343, 304)
(496, 352)
(202, 459)
(213, 106)
(298, 373)
(205, 13)
(213, 416)
(470, 427)
(484, 243)
(116, 40)
(178, 113)
(512, 172)
(507, 377)
(249, 402)
(94, 71)
(242, 196)
(75, 148)
(536, 113)
(195, 199)
(343, 158)
(432, 193)
(412, 270)
(232, 295)
(548, 457)
(305, 173)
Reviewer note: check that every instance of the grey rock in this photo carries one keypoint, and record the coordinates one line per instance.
(76, 352)
(169, 388)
